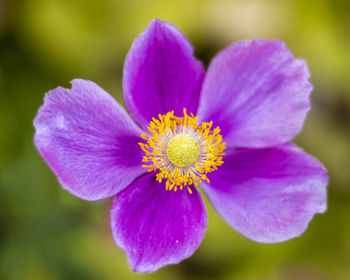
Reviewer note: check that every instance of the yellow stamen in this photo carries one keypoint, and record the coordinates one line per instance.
(182, 151)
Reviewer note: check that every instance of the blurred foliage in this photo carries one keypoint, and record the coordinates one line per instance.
(46, 233)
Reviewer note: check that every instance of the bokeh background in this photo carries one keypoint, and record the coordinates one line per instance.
(46, 233)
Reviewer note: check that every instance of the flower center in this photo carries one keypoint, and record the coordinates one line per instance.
(182, 150)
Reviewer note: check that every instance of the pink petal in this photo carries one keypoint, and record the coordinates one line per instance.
(257, 93)
(268, 195)
(156, 227)
(161, 74)
(88, 140)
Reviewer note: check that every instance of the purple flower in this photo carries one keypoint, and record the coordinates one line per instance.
(227, 130)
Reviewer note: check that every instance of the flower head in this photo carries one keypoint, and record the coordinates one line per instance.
(226, 130)
(181, 151)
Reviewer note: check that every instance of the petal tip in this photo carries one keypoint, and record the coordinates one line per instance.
(155, 21)
(77, 82)
(155, 25)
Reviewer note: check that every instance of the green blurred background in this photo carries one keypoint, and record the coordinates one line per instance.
(46, 233)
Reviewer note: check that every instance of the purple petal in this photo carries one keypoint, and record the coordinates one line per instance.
(257, 93)
(268, 195)
(88, 140)
(156, 227)
(161, 74)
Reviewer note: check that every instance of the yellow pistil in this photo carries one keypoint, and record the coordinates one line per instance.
(182, 151)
